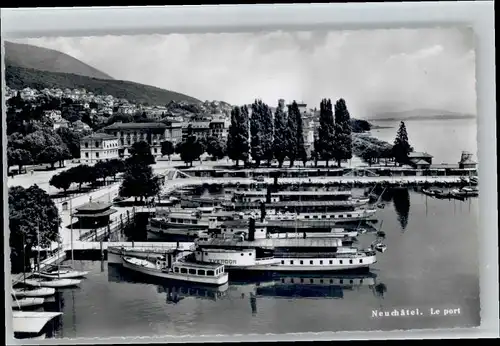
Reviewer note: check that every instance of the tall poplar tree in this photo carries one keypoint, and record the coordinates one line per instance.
(280, 142)
(326, 131)
(342, 136)
(267, 128)
(401, 147)
(256, 132)
(237, 141)
(292, 148)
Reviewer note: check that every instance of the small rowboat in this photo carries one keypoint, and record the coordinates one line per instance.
(27, 302)
(37, 292)
(63, 274)
(61, 283)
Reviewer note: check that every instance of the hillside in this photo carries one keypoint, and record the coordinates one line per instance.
(19, 78)
(420, 114)
(28, 56)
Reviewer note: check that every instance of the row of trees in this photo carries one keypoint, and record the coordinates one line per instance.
(82, 174)
(282, 136)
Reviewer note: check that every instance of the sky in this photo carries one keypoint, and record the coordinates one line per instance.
(373, 70)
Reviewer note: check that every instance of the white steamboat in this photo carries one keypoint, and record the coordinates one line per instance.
(195, 272)
(256, 251)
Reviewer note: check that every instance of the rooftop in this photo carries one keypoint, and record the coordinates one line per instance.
(99, 135)
(274, 243)
(419, 162)
(119, 126)
(416, 154)
(94, 206)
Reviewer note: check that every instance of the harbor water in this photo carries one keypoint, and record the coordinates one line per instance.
(431, 262)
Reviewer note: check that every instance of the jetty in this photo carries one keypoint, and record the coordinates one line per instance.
(31, 322)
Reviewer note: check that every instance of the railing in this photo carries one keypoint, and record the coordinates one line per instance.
(322, 255)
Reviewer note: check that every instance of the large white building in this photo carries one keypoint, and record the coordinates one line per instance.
(98, 147)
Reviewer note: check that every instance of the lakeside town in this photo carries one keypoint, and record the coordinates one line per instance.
(108, 177)
(308, 194)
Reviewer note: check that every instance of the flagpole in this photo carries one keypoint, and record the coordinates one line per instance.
(71, 222)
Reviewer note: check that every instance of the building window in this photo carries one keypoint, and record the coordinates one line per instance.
(97, 155)
(86, 144)
(87, 155)
(97, 144)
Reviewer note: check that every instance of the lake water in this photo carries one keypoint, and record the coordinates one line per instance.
(444, 139)
(430, 262)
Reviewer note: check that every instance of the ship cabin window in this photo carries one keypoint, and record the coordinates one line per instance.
(307, 216)
(291, 262)
(192, 271)
(330, 262)
(210, 273)
(351, 282)
(340, 261)
(183, 271)
(176, 270)
(206, 253)
(341, 281)
(301, 280)
(349, 215)
(360, 281)
(350, 261)
(311, 281)
(301, 262)
(249, 254)
(320, 262)
(242, 254)
(315, 216)
(361, 261)
(282, 262)
(323, 216)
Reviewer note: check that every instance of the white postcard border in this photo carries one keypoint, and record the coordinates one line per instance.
(37, 22)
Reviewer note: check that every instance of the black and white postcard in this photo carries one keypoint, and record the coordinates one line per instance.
(272, 181)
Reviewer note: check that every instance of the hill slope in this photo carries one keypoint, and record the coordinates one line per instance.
(28, 56)
(19, 78)
(421, 114)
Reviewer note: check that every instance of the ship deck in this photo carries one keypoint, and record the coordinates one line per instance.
(274, 243)
(292, 224)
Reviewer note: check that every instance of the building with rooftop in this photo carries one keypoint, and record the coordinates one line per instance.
(98, 147)
(419, 160)
(130, 133)
(94, 214)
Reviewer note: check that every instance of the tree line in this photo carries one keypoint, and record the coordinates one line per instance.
(265, 136)
(82, 174)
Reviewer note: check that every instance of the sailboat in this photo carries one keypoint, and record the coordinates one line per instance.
(55, 272)
(53, 282)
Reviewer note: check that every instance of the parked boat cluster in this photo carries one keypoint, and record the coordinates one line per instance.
(259, 231)
(37, 289)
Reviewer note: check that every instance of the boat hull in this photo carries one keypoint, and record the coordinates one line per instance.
(175, 276)
(31, 322)
(62, 283)
(27, 302)
(64, 274)
(34, 293)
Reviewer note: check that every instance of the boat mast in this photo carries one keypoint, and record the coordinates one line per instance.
(71, 222)
(39, 246)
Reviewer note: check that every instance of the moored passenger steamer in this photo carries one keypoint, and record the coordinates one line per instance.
(260, 253)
